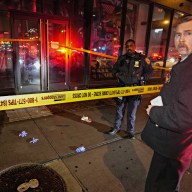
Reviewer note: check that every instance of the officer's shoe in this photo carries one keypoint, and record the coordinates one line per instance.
(113, 132)
(129, 136)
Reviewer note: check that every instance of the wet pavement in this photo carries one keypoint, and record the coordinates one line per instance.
(109, 164)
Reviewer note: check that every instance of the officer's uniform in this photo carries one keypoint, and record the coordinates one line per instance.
(130, 69)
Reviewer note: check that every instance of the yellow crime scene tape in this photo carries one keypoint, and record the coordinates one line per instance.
(39, 99)
(72, 48)
(50, 98)
(106, 56)
(6, 40)
(90, 52)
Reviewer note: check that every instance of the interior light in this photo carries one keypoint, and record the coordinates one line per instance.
(103, 48)
(158, 30)
(94, 49)
(62, 50)
(166, 22)
(37, 64)
(172, 60)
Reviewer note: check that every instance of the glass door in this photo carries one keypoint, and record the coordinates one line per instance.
(57, 55)
(41, 57)
(28, 65)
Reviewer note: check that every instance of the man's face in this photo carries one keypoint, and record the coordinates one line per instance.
(183, 38)
(130, 48)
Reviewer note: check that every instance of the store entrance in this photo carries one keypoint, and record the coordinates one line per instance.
(57, 55)
(40, 58)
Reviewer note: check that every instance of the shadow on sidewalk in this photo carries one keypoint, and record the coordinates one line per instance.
(124, 160)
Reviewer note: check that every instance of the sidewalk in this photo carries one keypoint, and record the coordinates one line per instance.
(109, 164)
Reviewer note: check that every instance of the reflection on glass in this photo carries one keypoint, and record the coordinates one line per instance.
(76, 67)
(32, 5)
(76, 63)
(29, 64)
(105, 37)
(11, 4)
(59, 7)
(26, 5)
(101, 69)
(57, 54)
(136, 24)
(6, 65)
(6, 54)
(158, 38)
(28, 55)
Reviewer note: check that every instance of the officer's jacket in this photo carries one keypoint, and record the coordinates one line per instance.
(169, 128)
(130, 69)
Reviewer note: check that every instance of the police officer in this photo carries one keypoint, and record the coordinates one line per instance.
(130, 69)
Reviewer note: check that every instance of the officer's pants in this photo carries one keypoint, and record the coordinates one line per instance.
(133, 103)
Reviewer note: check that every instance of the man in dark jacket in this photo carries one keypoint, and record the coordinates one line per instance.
(130, 69)
(169, 128)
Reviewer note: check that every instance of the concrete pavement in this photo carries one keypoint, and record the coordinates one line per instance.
(109, 164)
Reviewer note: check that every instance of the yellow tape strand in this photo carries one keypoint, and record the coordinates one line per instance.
(32, 100)
(40, 99)
(162, 68)
(17, 40)
(72, 48)
(91, 52)
(104, 55)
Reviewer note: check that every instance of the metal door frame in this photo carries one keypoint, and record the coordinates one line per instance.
(43, 39)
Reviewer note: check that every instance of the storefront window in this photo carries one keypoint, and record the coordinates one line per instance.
(76, 61)
(11, 4)
(25, 5)
(57, 58)
(158, 38)
(136, 24)
(105, 34)
(59, 7)
(27, 55)
(32, 5)
(6, 53)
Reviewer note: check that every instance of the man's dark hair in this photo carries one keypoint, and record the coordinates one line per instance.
(129, 40)
(184, 19)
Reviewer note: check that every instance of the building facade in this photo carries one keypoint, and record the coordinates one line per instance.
(55, 45)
